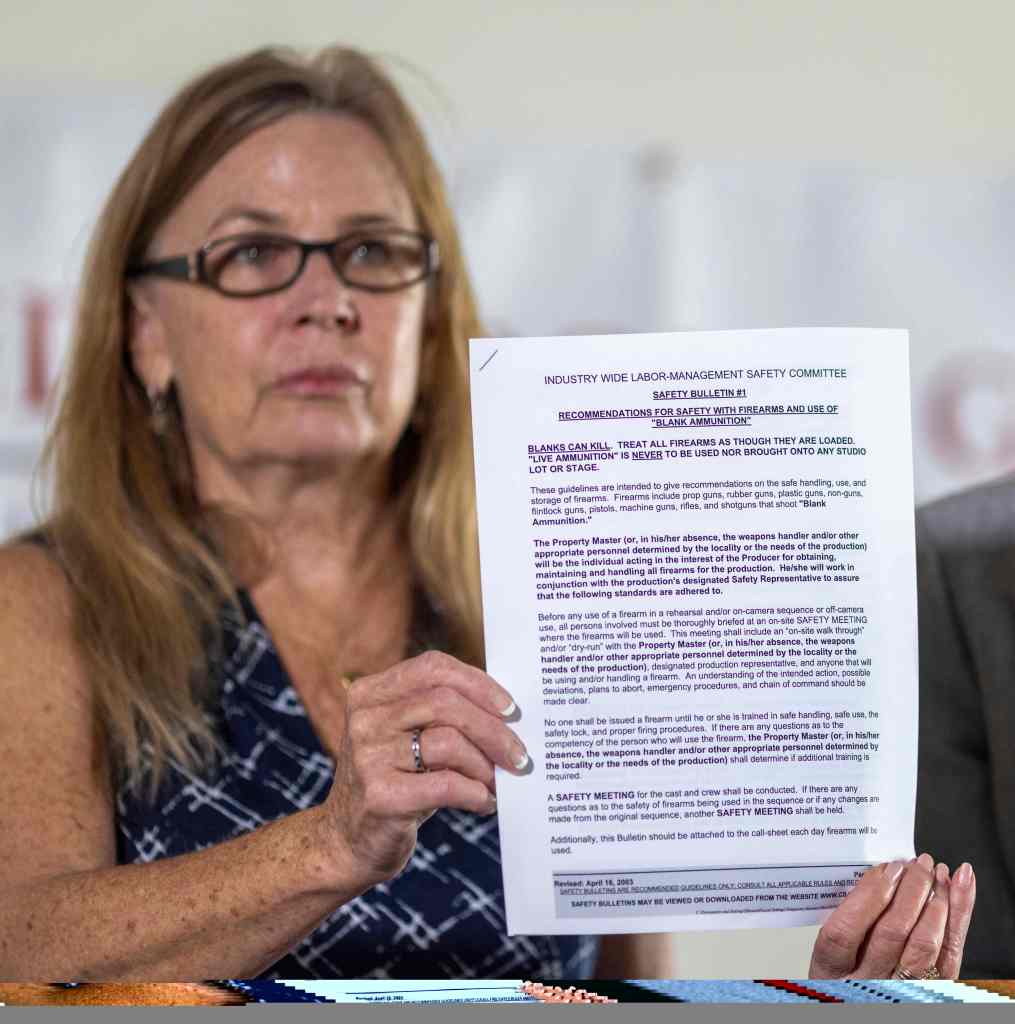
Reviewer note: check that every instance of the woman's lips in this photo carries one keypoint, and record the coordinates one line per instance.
(319, 381)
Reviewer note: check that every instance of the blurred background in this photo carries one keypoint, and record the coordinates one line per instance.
(615, 167)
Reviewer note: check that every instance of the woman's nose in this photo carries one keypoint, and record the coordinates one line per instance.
(329, 299)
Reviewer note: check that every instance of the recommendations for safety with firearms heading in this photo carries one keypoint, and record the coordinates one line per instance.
(699, 583)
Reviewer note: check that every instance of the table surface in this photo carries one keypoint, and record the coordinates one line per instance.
(238, 992)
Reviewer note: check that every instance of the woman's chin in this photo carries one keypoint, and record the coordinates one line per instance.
(327, 433)
(331, 450)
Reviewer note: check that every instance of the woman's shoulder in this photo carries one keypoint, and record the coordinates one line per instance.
(35, 606)
(31, 577)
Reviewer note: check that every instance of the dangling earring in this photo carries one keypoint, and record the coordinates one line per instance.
(159, 419)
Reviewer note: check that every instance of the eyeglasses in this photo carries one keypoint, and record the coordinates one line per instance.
(245, 266)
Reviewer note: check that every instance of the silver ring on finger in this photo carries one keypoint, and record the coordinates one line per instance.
(417, 751)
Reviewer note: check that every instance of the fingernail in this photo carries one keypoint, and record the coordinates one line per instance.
(964, 875)
(509, 709)
(522, 761)
(893, 871)
(926, 860)
(940, 885)
(493, 804)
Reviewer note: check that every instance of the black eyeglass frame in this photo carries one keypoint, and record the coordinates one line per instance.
(192, 267)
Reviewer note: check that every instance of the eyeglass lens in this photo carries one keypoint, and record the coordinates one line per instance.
(253, 263)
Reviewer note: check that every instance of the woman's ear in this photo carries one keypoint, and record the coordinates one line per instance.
(146, 341)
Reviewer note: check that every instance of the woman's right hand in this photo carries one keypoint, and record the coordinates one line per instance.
(379, 797)
(901, 920)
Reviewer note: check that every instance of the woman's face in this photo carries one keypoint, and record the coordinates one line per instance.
(318, 372)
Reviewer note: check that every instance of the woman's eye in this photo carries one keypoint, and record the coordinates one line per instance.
(371, 252)
(254, 254)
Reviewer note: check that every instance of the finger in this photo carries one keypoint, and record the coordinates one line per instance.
(838, 943)
(889, 936)
(430, 669)
(379, 735)
(445, 706)
(443, 747)
(416, 793)
(961, 898)
(923, 947)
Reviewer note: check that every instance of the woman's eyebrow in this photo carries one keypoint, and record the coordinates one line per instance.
(265, 217)
(269, 219)
(367, 219)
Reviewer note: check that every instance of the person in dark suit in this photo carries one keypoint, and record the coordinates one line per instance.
(966, 789)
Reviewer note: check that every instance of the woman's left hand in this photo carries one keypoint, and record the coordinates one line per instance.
(901, 920)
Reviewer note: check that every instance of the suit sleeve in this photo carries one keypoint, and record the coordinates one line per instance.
(956, 816)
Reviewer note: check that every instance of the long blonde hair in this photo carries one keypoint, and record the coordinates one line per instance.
(148, 586)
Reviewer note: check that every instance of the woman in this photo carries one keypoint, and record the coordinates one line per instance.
(226, 688)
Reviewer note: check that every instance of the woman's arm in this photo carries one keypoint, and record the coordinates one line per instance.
(68, 912)
(229, 911)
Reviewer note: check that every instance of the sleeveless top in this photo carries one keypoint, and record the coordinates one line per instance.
(442, 917)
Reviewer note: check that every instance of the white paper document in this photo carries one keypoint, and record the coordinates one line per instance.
(699, 585)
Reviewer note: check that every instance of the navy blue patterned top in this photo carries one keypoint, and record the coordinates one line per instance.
(443, 916)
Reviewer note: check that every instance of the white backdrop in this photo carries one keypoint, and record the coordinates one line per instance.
(62, 155)
(758, 245)
(572, 239)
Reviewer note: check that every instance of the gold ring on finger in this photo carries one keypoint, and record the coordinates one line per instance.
(904, 974)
